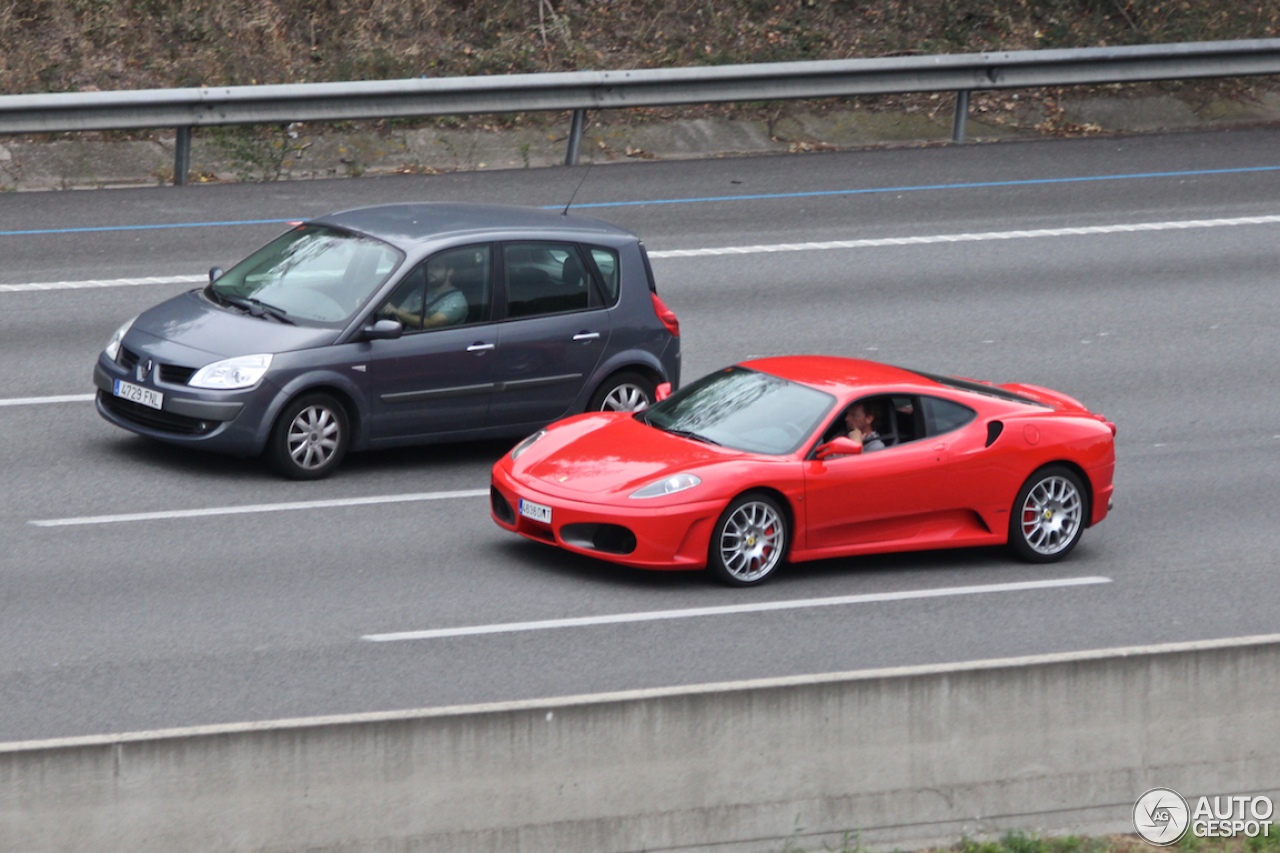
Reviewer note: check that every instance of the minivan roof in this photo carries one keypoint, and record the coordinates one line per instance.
(407, 223)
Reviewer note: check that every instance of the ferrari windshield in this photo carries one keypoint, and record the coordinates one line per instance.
(310, 273)
(743, 409)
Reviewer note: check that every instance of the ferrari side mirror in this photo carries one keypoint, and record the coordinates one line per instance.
(214, 274)
(662, 392)
(842, 446)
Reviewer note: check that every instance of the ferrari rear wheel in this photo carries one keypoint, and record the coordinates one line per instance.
(1048, 515)
(749, 541)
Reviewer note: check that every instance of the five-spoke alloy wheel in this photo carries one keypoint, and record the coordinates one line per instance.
(1048, 515)
(749, 540)
(622, 392)
(310, 437)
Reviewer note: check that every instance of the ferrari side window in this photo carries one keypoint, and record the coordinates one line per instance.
(944, 415)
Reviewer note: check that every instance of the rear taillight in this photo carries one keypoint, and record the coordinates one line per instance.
(666, 315)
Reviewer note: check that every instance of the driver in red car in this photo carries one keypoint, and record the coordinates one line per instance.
(861, 419)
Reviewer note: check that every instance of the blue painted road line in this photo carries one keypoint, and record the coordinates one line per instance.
(708, 199)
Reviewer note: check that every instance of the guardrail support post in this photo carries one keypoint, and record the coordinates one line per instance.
(962, 117)
(181, 156)
(575, 137)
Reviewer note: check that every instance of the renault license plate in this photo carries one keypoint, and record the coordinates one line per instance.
(138, 394)
(537, 512)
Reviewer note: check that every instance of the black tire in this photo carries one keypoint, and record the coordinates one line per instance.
(750, 540)
(309, 438)
(623, 392)
(1048, 515)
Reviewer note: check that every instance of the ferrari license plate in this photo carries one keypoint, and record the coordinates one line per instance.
(138, 394)
(537, 512)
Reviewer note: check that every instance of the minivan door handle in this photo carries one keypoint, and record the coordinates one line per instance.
(586, 336)
(480, 348)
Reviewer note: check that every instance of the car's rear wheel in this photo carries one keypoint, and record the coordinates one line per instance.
(309, 438)
(749, 540)
(622, 392)
(1048, 515)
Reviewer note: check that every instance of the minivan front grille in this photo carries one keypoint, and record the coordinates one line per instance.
(175, 374)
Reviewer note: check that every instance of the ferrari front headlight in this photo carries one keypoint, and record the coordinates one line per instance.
(669, 486)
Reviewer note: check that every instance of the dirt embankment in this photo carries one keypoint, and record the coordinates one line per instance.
(86, 45)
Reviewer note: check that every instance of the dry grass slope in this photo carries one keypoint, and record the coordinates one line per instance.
(87, 45)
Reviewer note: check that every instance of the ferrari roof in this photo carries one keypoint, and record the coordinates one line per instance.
(836, 373)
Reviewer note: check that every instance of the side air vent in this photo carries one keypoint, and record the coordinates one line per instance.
(993, 432)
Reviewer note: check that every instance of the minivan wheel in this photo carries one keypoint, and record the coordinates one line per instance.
(310, 437)
(623, 392)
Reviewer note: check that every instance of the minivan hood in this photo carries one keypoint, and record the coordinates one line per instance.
(190, 331)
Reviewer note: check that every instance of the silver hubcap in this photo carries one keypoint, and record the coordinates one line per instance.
(313, 437)
(751, 544)
(1051, 515)
(625, 398)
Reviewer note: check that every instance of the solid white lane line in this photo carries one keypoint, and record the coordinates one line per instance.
(919, 240)
(731, 609)
(253, 508)
(106, 282)
(1180, 225)
(39, 401)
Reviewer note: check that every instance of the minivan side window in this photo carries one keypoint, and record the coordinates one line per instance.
(450, 288)
(606, 261)
(545, 278)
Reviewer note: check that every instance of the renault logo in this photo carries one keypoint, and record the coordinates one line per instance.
(144, 368)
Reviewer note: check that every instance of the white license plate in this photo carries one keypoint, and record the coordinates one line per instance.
(138, 394)
(537, 512)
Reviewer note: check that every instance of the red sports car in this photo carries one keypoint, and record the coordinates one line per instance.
(808, 457)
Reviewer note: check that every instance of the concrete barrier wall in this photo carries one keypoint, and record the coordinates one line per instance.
(902, 757)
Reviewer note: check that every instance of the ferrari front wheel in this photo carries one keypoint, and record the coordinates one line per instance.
(749, 541)
(1048, 515)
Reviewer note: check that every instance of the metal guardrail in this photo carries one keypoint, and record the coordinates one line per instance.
(580, 91)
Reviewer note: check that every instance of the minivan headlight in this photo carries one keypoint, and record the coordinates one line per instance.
(669, 486)
(243, 371)
(112, 349)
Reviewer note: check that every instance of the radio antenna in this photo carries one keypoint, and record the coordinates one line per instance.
(565, 212)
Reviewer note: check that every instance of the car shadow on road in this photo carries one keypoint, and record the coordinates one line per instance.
(945, 565)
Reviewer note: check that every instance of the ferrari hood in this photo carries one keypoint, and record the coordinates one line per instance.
(612, 454)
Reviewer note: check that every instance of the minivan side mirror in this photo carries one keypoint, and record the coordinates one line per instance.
(383, 330)
(662, 392)
(215, 273)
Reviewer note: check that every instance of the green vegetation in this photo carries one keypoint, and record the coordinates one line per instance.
(86, 45)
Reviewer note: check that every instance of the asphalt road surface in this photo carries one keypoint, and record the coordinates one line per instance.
(177, 619)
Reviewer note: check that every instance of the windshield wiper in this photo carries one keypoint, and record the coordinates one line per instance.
(688, 433)
(269, 310)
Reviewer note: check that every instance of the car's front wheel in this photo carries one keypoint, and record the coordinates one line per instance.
(1048, 515)
(310, 437)
(622, 392)
(749, 541)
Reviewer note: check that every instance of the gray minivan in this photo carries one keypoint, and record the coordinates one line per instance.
(396, 324)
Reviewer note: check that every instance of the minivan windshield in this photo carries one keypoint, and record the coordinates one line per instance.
(743, 409)
(312, 273)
